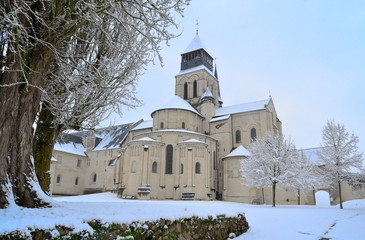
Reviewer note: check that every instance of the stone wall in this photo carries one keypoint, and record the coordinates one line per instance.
(219, 227)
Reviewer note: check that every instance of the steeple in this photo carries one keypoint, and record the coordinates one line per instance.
(215, 70)
(196, 54)
(220, 101)
(196, 82)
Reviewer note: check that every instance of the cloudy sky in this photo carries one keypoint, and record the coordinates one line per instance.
(309, 54)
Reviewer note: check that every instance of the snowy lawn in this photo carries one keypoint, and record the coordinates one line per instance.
(281, 222)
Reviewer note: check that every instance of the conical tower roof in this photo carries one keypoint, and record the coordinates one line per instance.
(240, 151)
(195, 44)
(206, 95)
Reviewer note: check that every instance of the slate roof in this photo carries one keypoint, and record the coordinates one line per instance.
(241, 108)
(143, 125)
(105, 138)
(113, 136)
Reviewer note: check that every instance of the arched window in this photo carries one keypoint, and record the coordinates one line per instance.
(186, 90)
(93, 177)
(238, 136)
(183, 125)
(182, 169)
(195, 89)
(253, 134)
(169, 152)
(154, 167)
(58, 179)
(197, 167)
(161, 125)
(76, 180)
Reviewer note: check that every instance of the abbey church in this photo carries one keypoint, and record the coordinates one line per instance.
(190, 150)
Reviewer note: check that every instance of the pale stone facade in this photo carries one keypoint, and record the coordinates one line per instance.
(183, 153)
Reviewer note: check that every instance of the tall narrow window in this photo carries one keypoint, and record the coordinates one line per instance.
(238, 136)
(58, 179)
(161, 125)
(183, 125)
(76, 180)
(169, 152)
(214, 161)
(195, 89)
(182, 169)
(79, 161)
(197, 167)
(154, 167)
(93, 177)
(186, 90)
(253, 134)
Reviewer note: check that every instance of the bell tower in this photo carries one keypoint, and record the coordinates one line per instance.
(196, 75)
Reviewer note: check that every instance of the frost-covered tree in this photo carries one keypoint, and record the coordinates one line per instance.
(272, 162)
(340, 155)
(98, 71)
(62, 51)
(307, 176)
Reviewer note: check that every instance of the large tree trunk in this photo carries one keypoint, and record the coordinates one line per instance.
(20, 102)
(43, 143)
(19, 105)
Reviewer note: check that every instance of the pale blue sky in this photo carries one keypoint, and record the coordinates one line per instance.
(309, 54)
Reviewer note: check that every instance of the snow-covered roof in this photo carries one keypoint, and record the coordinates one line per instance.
(206, 94)
(70, 143)
(312, 154)
(195, 44)
(143, 125)
(178, 103)
(106, 138)
(240, 108)
(145, 139)
(193, 69)
(216, 119)
(240, 151)
(70, 147)
(113, 137)
(192, 141)
(178, 131)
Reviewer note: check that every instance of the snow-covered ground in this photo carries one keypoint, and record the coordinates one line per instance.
(281, 222)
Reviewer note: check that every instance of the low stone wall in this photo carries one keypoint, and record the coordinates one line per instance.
(219, 227)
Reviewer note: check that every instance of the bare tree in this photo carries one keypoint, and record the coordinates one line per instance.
(340, 155)
(272, 162)
(50, 49)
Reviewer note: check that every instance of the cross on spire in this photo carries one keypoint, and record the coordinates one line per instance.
(197, 26)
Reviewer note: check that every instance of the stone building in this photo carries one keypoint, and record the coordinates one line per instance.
(189, 150)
